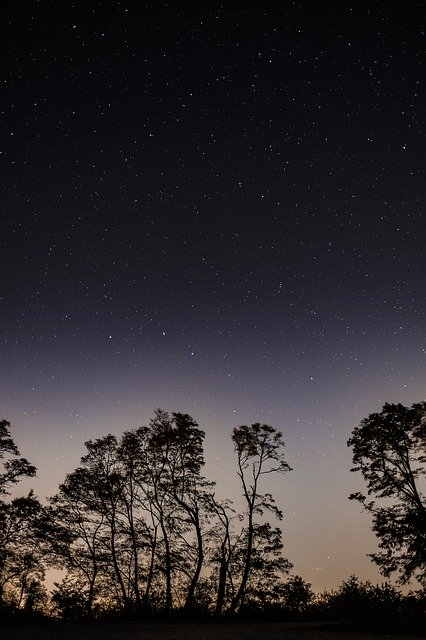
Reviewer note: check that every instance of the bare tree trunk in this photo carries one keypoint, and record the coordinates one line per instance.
(150, 575)
(189, 601)
(239, 596)
(116, 566)
(168, 570)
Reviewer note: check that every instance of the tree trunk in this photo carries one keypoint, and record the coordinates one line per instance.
(223, 569)
(168, 571)
(117, 568)
(151, 569)
(189, 601)
(238, 598)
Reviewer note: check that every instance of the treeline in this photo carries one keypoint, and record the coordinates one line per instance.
(137, 529)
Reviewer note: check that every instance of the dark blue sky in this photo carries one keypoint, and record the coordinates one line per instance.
(215, 208)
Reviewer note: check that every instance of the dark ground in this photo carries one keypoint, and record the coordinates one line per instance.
(238, 631)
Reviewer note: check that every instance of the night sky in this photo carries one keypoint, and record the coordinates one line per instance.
(215, 208)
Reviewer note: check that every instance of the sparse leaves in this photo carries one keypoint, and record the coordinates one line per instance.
(259, 449)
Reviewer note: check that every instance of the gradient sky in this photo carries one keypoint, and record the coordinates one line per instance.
(215, 208)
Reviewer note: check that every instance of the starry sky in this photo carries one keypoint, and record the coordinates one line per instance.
(214, 208)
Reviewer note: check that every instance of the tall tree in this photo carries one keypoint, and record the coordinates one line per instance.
(145, 507)
(21, 564)
(102, 464)
(221, 539)
(389, 450)
(135, 512)
(21, 554)
(259, 449)
(74, 533)
(135, 506)
(154, 479)
(177, 440)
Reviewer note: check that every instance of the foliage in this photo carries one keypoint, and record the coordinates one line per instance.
(69, 599)
(296, 595)
(389, 449)
(21, 557)
(138, 528)
(373, 608)
(14, 468)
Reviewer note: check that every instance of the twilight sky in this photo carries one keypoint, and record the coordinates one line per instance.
(215, 208)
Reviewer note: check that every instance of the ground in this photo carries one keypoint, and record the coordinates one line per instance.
(138, 631)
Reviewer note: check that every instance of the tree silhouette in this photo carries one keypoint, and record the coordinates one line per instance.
(297, 594)
(268, 565)
(221, 551)
(149, 513)
(21, 554)
(104, 471)
(69, 599)
(21, 567)
(366, 606)
(389, 449)
(14, 468)
(259, 449)
(137, 525)
(74, 534)
(179, 441)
